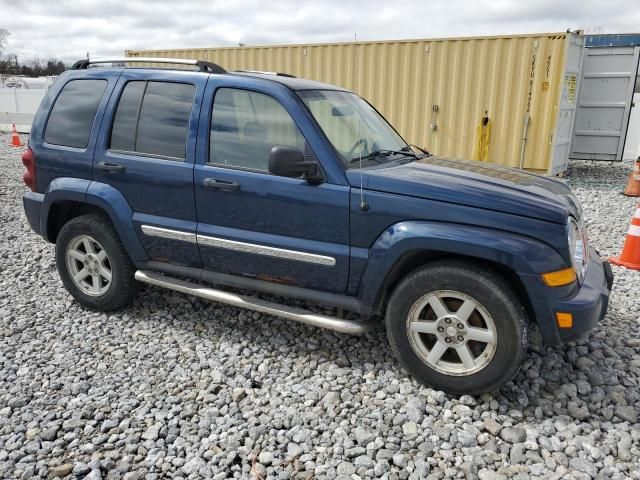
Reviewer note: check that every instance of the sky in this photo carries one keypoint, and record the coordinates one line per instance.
(68, 29)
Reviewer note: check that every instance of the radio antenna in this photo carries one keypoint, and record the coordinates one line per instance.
(363, 204)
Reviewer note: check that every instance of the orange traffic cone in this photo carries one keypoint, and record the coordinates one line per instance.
(15, 138)
(633, 187)
(630, 256)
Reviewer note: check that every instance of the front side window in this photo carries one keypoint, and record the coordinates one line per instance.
(353, 126)
(74, 112)
(245, 126)
(152, 118)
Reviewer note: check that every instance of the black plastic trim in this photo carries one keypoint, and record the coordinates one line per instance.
(203, 65)
(248, 283)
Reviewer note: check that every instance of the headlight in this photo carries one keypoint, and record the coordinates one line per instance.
(577, 247)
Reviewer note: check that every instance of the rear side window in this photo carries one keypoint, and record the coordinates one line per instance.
(152, 118)
(73, 113)
(123, 133)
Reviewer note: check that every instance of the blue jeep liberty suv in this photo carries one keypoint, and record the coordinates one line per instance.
(217, 183)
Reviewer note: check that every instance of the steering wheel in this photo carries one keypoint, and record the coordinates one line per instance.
(352, 150)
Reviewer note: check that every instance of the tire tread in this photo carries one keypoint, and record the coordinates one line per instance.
(123, 288)
(502, 293)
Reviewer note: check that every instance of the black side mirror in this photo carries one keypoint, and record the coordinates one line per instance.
(290, 162)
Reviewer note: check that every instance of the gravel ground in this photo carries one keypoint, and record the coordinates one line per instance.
(181, 388)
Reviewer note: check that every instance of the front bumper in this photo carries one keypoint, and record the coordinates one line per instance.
(589, 305)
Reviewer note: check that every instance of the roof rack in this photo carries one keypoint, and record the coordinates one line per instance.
(279, 74)
(203, 66)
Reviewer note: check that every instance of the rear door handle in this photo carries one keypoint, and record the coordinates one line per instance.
(223, 185)
(110, 167)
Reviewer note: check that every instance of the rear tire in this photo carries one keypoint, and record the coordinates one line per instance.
(457, 327)
(93, 264)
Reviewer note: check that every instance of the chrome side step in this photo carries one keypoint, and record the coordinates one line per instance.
(353, 327)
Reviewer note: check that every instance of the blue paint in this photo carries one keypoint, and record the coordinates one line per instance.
(513, 219)
(115, 205)
(32, 203)
(613, 40)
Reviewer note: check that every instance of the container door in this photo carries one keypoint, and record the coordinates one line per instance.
(604, 103)
(567, 104)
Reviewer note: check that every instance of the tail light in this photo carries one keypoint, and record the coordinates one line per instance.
(29, 175)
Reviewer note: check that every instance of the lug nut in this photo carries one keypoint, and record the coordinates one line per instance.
(460, 326)
(441, 329)
(448, 320)
(460, 338)
(448, 339)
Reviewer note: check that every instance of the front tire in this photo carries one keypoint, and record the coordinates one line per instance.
(457, 327)
(93, 264)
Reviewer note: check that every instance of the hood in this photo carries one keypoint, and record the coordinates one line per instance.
(475, 184)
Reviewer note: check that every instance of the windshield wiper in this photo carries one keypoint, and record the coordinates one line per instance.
(406, 151)
(426, 152)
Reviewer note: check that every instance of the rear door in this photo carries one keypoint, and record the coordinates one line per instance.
(147, 151)
(604, 102)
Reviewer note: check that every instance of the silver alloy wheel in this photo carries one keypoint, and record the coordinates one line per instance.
(452, 332)
(88, 265)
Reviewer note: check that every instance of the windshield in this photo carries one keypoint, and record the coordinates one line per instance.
(354, 127)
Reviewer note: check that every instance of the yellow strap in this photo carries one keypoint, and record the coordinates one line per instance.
(483, 137)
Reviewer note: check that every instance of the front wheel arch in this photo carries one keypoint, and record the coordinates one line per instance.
(416, 259)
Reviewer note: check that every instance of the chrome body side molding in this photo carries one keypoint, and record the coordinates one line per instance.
(239, 246)
(168, 233)
(267, 251)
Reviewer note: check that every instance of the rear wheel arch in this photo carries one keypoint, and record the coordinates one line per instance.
(63, 211)
(63, 204)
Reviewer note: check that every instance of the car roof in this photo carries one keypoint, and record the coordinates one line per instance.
(291, 82)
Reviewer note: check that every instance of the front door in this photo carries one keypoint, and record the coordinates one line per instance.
(255, 224)
(147, 151)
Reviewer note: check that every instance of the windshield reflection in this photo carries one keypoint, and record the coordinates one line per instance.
(353, 126)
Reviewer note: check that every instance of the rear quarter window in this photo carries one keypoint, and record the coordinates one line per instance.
(73, 113)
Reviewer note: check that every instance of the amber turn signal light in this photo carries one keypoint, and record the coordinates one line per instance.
(565, 320)
(559, 278)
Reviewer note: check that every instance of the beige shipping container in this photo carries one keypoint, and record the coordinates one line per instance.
(437, 91)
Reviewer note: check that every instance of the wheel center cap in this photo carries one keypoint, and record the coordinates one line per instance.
(451, 331)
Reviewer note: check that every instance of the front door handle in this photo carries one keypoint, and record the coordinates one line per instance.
(223, 185)
(110, 167)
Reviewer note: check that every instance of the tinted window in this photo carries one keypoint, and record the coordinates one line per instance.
(123, 133)
(245, 126)
(73, 113)
(157, 125)
(352, 125)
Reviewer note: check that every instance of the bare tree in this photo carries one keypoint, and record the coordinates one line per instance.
(9, 64)
(4, 35)
(4, 62)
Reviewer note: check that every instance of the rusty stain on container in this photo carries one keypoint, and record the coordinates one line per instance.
(434, 91)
